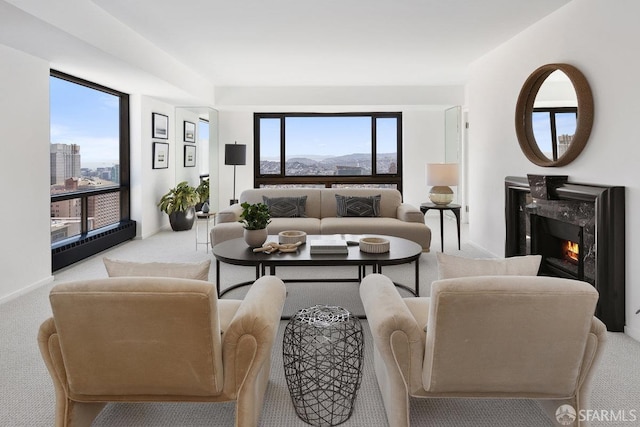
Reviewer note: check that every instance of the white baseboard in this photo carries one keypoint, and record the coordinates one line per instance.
(31, 287)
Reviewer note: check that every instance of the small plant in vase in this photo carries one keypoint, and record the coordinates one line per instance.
(254, 219)
(203, 192)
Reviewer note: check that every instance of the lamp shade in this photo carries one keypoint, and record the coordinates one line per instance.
(235, 154)
(442, 174)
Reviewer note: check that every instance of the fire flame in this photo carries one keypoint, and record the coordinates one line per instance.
(571, 250)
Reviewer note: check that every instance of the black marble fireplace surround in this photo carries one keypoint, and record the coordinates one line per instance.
(592, 216)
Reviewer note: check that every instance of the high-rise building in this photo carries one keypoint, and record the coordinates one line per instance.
(104, 209)
(563, 143)
(65, 162)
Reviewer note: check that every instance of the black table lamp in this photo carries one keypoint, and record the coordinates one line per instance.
(235, 154)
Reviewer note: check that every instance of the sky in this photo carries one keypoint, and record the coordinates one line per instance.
(87, 117)
(326, 136)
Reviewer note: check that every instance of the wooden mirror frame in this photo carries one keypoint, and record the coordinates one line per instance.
(524, 115)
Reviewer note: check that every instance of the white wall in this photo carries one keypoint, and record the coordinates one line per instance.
(189, 174)
(25, 257)
(601, 39)
(152, 183)
(423, 141)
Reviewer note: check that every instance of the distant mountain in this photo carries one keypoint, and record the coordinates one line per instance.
(303, 160)
(316, 157)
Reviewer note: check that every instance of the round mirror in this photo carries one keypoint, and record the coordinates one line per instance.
(554, 115)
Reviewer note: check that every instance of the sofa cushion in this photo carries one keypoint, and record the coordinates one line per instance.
(451, 267)
(286, 207)
(179, 270)
(366, 206)
(308, 225)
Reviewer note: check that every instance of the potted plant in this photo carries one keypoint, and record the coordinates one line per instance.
(179, 203)
(254, 219)
(203, 193)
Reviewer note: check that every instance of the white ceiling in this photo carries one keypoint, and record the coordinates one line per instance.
(329, 42)
(182, 50)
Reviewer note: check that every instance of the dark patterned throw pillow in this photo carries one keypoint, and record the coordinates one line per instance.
(358, 205)
(286, 207)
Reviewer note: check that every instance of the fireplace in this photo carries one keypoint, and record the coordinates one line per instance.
(579, 231)
(560, 244)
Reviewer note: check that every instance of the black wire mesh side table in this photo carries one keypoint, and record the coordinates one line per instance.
(323, 352)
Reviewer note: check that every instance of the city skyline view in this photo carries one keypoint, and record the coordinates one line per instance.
(88, 118)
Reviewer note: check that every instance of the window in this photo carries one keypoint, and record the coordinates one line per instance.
(203, 146)
(89, 159)
(553, 129)
(336, 149)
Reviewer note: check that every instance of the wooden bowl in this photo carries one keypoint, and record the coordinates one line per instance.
(292, 236)
(374, 245)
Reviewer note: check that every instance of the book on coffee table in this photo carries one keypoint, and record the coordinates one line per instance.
(327, 246)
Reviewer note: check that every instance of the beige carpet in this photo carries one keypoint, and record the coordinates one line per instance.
(26, 397)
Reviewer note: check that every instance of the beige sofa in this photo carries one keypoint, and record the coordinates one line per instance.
(529, 337)
(395, 217)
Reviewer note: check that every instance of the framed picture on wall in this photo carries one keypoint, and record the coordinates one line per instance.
(160, 126)
(189, 132)
(160, 155)
(189, 156)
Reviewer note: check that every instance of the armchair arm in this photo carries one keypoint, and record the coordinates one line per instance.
(66, 409)
(50, 351)
(409, 213)
(229, 214)
(398, 339)
(592, 354)
(247, 342)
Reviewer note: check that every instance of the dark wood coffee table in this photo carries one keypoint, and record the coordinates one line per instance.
(236, 252)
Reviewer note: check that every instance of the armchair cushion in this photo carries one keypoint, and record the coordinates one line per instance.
(508, 334)
(179, 270)
(110, 349)
(451, 267)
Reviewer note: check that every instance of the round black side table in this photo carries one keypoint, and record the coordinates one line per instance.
(424, 208)
(323, 352)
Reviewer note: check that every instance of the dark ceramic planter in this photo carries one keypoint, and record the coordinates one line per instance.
(182, 221)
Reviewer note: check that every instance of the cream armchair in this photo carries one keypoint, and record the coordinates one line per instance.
(492, 336)
(143, 339)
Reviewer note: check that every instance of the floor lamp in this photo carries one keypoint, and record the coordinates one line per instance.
(235, 154)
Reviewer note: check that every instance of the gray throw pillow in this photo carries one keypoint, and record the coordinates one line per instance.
(364, 206)
(451, 267)
(286, 207)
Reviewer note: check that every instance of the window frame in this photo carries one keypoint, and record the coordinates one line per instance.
(328, 181)
(553, 111)
(123, 187)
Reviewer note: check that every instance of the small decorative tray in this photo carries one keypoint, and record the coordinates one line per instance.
(292, 236)
(374, 245)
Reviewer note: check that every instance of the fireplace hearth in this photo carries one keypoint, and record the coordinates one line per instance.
(579, 233)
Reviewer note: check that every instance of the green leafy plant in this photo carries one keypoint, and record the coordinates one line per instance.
(203, 190)
(255, 216)
(179, 199)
